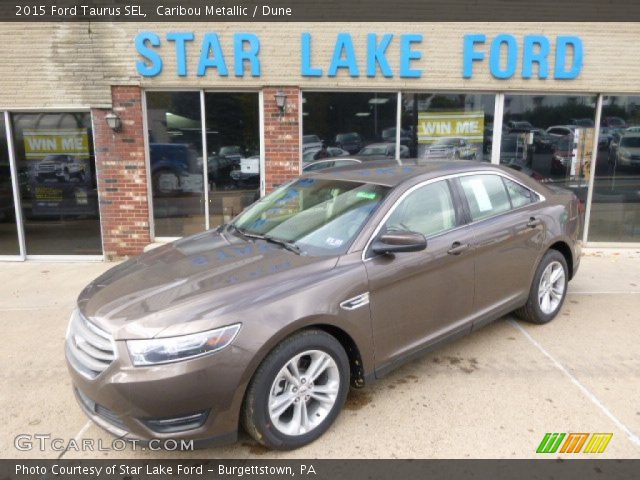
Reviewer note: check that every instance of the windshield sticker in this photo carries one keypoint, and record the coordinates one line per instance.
(334, 242)
(367, 195)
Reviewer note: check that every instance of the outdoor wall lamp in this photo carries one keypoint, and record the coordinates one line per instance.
(281, 101)
(114, 122)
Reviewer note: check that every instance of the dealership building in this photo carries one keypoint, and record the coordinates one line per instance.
(114, 136)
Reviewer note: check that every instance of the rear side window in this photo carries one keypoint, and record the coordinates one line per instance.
(486, 195)
(519, 195)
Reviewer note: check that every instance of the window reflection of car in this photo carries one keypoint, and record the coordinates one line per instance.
(311, 141)
(613, 122)
(389, 135)
(583, 122)
(562, 155)
(351, 142)
(312, 154)
(558, 131)
(450, 148)
(248, 175)
(378, 151)
(175, 168)
(519, 126)
(63, 168)
(329, 163)
(627, 152)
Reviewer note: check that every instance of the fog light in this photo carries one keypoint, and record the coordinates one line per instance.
(177, 424)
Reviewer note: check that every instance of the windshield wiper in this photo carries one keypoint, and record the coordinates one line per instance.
(241, 231)
(289, 245)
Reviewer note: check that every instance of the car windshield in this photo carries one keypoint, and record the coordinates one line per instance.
(310, 139)
(319, 216)
(630, 142)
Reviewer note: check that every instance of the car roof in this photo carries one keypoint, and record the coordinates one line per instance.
(391, 173)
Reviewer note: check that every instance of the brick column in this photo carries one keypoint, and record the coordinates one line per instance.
(121, 175)
(282, 137)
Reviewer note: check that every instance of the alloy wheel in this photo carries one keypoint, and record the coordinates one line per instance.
(304, 392)
(551, 287)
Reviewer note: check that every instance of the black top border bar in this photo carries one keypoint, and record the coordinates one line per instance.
(140, 11)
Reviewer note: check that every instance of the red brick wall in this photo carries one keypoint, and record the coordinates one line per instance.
(121, 175)
(282, 137)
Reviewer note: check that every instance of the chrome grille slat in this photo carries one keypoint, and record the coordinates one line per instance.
(98, 354)
(90, 349)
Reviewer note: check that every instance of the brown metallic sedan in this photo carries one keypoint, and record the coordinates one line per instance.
(332, 280)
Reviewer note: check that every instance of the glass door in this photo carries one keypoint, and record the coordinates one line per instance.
(233, 153)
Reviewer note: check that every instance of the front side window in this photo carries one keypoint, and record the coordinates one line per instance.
(320, 217)
(429, 210)
(486, 195)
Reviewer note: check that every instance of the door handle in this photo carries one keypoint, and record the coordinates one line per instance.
(457, 248)
(534, 222)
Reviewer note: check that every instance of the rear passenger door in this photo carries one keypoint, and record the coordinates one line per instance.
(507, 238)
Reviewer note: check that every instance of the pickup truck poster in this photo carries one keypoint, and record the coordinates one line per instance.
(450, 135)
(59, 170)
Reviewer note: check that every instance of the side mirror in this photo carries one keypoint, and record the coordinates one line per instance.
(399, 241)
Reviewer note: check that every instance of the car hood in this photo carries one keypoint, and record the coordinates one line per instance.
(187, 285)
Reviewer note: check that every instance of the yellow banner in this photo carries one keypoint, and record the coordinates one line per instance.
(40, 143)
(435, 125)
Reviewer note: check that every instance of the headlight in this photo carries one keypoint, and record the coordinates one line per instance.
(174, 349)
(624, 153)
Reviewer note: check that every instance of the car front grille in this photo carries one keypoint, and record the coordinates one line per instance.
(89, 349)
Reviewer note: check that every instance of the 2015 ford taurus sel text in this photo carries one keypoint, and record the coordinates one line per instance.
(330, 281)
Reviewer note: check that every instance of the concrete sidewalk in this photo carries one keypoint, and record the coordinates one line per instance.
(493, 394)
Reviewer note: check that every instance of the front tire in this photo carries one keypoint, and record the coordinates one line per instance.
(298, 391)
(548, 291)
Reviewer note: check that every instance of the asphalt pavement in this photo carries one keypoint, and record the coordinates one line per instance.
(493, 394)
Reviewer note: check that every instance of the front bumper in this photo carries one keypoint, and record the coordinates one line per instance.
(123, 398)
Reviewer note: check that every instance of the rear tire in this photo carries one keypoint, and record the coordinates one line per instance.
(276, 398)
(548, 290)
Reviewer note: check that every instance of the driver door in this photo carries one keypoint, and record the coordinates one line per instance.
(417, 298)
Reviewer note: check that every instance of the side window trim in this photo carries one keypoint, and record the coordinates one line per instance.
(455, 178)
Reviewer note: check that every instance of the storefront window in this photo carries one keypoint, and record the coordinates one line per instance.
(57, 180)
(8, 230)
(615, 208)
(175, 157)
(550, 138)
(447, 127)
(233, 153)
(339, 124)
